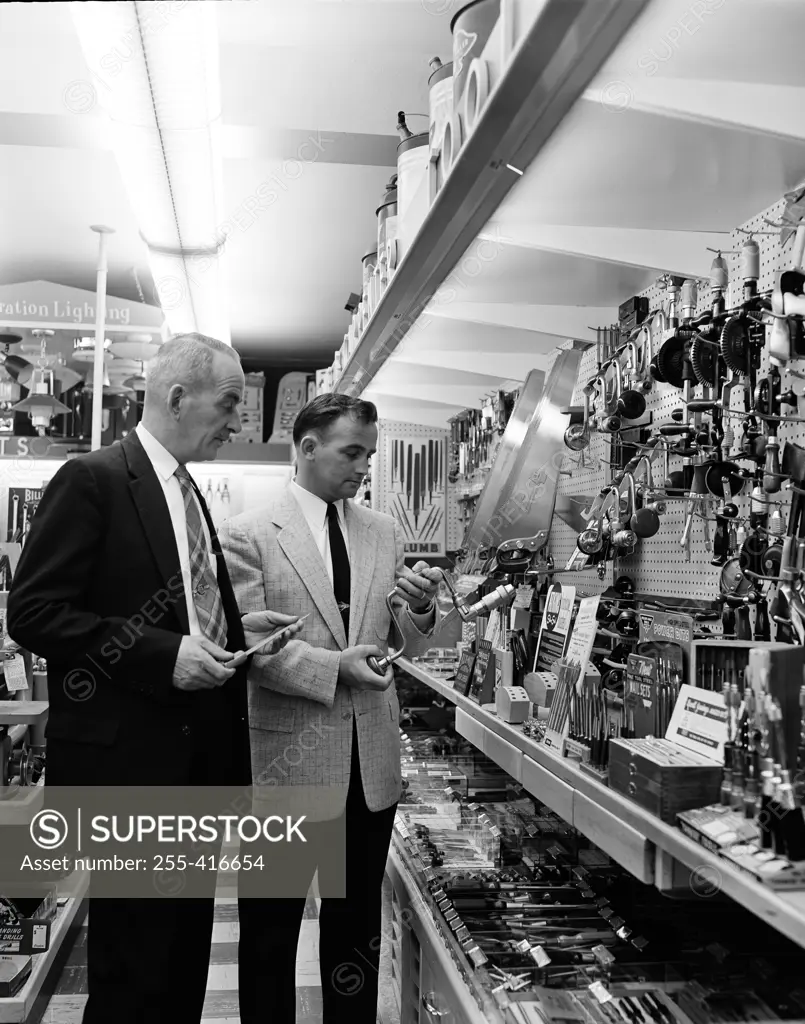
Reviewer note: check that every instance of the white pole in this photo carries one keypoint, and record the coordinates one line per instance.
(100, 332)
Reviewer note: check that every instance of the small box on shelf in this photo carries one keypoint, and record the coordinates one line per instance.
(662, 777)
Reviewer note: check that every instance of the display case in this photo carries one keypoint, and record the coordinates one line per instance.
(503, 911)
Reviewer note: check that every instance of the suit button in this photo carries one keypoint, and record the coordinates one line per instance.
(347, 715)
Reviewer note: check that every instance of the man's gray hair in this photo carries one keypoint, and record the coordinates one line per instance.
(186, 360)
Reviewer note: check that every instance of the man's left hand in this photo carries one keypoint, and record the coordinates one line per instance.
(258, 625)
(419, 587)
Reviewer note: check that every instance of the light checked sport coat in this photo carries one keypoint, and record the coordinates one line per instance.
(300, 716)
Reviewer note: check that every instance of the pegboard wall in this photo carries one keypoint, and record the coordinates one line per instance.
(384, 498)
(659, 564)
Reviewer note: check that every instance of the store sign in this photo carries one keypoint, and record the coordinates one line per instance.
(31, 448)
(42, 302)
(413, 481)
(671, 626)
(25, 309)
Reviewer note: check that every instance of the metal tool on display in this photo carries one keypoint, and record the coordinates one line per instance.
(244, 656)
(467, 612)
(514, 512)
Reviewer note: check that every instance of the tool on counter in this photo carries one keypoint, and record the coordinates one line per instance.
(467, 611)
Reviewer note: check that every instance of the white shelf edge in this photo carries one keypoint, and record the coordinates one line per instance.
(784, 911)
(521, 115)
(16, 1009)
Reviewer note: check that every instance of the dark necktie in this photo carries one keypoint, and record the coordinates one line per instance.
(340, 560)
(206, 595)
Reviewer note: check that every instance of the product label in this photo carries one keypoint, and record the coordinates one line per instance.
(14, 672)
(463, 43)
(699, 722)
(555, 632)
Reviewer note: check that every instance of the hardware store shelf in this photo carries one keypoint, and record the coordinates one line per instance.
(555, 60)
(452, 989)
(18, 1008)
(629, 834)
(555, 251)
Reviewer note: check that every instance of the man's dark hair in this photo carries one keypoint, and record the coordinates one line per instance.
(318, 415)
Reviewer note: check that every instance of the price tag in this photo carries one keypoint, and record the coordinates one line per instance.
(540, 957)
(477, 956)
(14, 671)
(599, 991)
(603, 955)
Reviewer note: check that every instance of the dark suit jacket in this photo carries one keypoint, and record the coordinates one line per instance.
(98, 592)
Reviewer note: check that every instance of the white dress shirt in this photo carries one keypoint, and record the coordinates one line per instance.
(165, 467)
(315, 512)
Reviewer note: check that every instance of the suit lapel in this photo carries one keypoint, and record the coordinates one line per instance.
(362, 556)
(152, 509)
(298, 543)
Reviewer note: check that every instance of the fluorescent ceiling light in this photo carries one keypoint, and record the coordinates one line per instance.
(155, 71)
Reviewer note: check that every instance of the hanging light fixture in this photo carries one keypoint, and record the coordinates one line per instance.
(137, 382)
(64, 378)
(9, 389)
(40, 404)
(136, 346)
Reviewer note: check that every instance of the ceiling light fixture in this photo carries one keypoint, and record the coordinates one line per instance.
(40, 404)
(157, 70)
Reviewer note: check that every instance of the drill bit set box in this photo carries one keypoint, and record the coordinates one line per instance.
(682, 770)
(663, 777)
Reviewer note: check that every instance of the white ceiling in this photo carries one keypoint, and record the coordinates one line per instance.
(332, 71)
(688, 130)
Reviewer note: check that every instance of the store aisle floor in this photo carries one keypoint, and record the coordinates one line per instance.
(66, 1005)
(221, 1006)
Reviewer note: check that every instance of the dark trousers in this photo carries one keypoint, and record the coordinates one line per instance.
(349, 929)
(148, 959)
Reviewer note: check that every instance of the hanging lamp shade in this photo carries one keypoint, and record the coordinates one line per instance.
(9, 389)
(140, 349)
(40, 404)
(64, 377)
(14, 365)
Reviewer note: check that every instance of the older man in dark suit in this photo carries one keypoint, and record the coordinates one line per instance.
(123, 588)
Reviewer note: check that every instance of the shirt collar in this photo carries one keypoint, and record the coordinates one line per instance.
(314, 508)
(161, 459)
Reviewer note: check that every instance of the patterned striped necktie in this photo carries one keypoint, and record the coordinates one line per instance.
(206, 595)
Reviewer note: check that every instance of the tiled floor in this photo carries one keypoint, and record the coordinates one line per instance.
(221, 1006)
